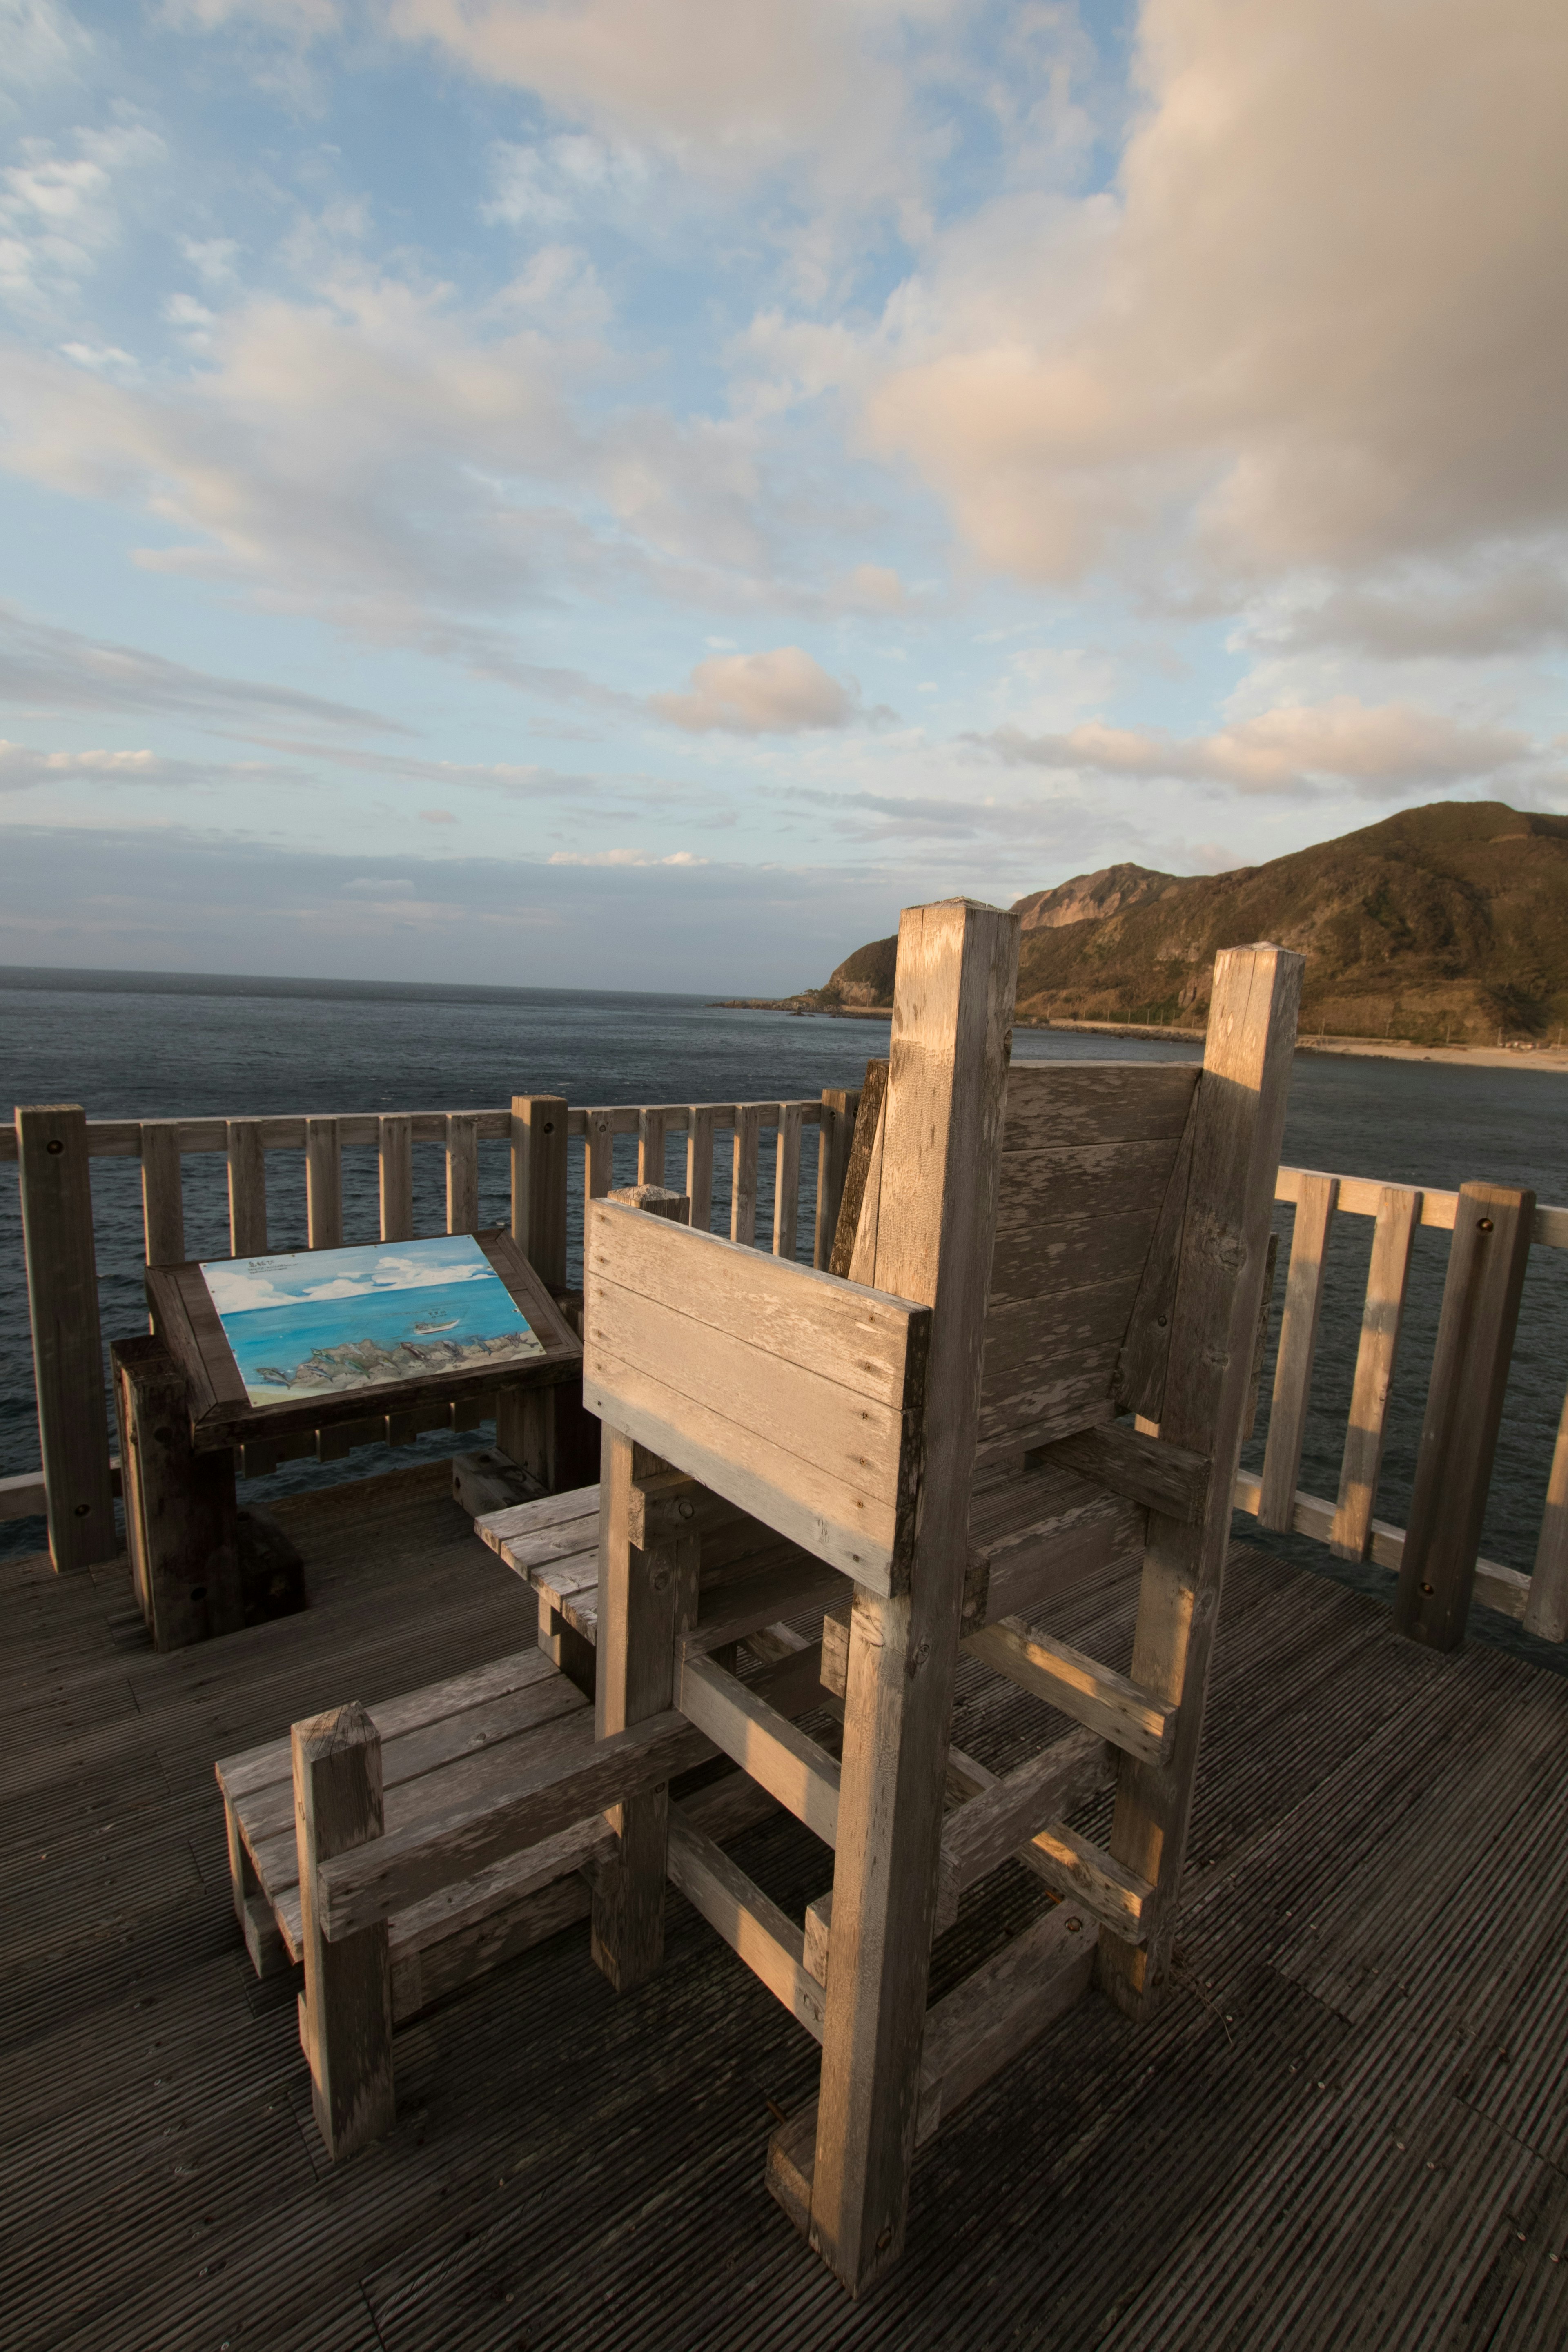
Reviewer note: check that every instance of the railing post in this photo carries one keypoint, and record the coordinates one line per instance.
(525, 1419)
(840, 1105)
(68, 1339)
(1464, 1411)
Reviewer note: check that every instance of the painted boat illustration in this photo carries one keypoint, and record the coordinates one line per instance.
(424, 1329)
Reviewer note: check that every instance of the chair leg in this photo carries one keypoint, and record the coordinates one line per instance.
(348, 1984)
(646, 1598)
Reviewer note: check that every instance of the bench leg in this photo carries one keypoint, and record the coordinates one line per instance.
(348, 1984)
(565, 1648)
(180, 1505)
(268, 1952)
(645, 1598)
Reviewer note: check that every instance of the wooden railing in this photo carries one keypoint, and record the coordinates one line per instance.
(55, 1148)
(543, 1133)
(1436, 1558)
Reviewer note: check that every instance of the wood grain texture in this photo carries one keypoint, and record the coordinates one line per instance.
(162, 1207)
(1111, 1705)
(1238, 1119)
(565, 1780)
(1140, 1383)
(834, 1135)
(788, 1763)
(1471, 1362)
(394, 1170)
(539, 1166)
(744, 1146)
(323, 1184)
(795, 1397)
(348, 1989)
(868, 1123)
(786, 1181)
(941, 1125)
(1387, 1280)
(247, 1188)
(1148, 1471)
(754, 1928)
(981, 1834)
(699, 1165)
(180, 1524)
(1304, 1282)
(68, 1344)
(1004, 2007)
(462, 1173)
(1546, 1611)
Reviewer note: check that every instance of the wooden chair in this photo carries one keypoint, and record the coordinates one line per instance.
(936, 1448)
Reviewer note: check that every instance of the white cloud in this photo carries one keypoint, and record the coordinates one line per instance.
(44, 667)
(60, 214)
(624, 857)
(42, 42)
(22, 768)
(781, 692)
(1378, 752)
(1323, 312)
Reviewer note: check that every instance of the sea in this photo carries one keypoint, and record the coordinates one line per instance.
(188, 1045)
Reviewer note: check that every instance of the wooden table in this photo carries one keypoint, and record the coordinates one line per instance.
(183, 1407)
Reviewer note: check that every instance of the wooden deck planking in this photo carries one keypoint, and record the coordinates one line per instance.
(599, 2160)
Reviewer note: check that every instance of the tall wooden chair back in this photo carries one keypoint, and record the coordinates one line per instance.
(937, 1440)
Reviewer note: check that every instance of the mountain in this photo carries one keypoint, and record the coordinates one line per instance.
(1090, 897)
(1451, 919)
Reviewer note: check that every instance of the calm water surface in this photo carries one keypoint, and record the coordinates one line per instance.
(134, 1046)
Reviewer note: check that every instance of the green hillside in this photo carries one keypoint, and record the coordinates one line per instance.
(1446, 921)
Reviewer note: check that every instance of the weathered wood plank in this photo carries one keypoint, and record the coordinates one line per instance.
(786, 1181)
(835, 1134)
(162, 1207)
(1004, 2007)
(347, 2005)
(180, 1505)
(753, 1927)
(247, 1188)
(68, 1343)
(1464, 1411)
(699, 1165)
(743, 1173)
(1113, 1704)
(462, 1173)
(1239, 1117)
(1298, 1347)
(1147, 1471)
(567, 1778)
(787, 1762)
(1387, 1280)
(394, 1158)
(981, 1834)
(941, 1130)
(323, 1184)
(867, 1127)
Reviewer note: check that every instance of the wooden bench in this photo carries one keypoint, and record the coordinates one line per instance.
(435, 1744)
(489, 1793)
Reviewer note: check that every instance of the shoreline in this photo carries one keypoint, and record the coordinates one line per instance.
(1545, 1058)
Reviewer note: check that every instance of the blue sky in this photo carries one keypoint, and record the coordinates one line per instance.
(632, 491)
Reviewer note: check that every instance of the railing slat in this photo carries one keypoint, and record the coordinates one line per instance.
(462, 1173)
(67, 1345)
(700, 1166)
(1315, 1205)
(246, 1189)
(599, 1172)
(836, 1130)
(743, 1182)
(323, 1184)
(395, 1137)
(1464, 1412)
(162, 1208)
(650, 1145)
(786, 1181)
(1547, 1612)
(1387, 1280)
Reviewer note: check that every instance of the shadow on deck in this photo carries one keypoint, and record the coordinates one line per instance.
(1348, 2126)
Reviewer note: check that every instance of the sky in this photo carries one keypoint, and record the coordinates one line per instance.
(629, 493)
